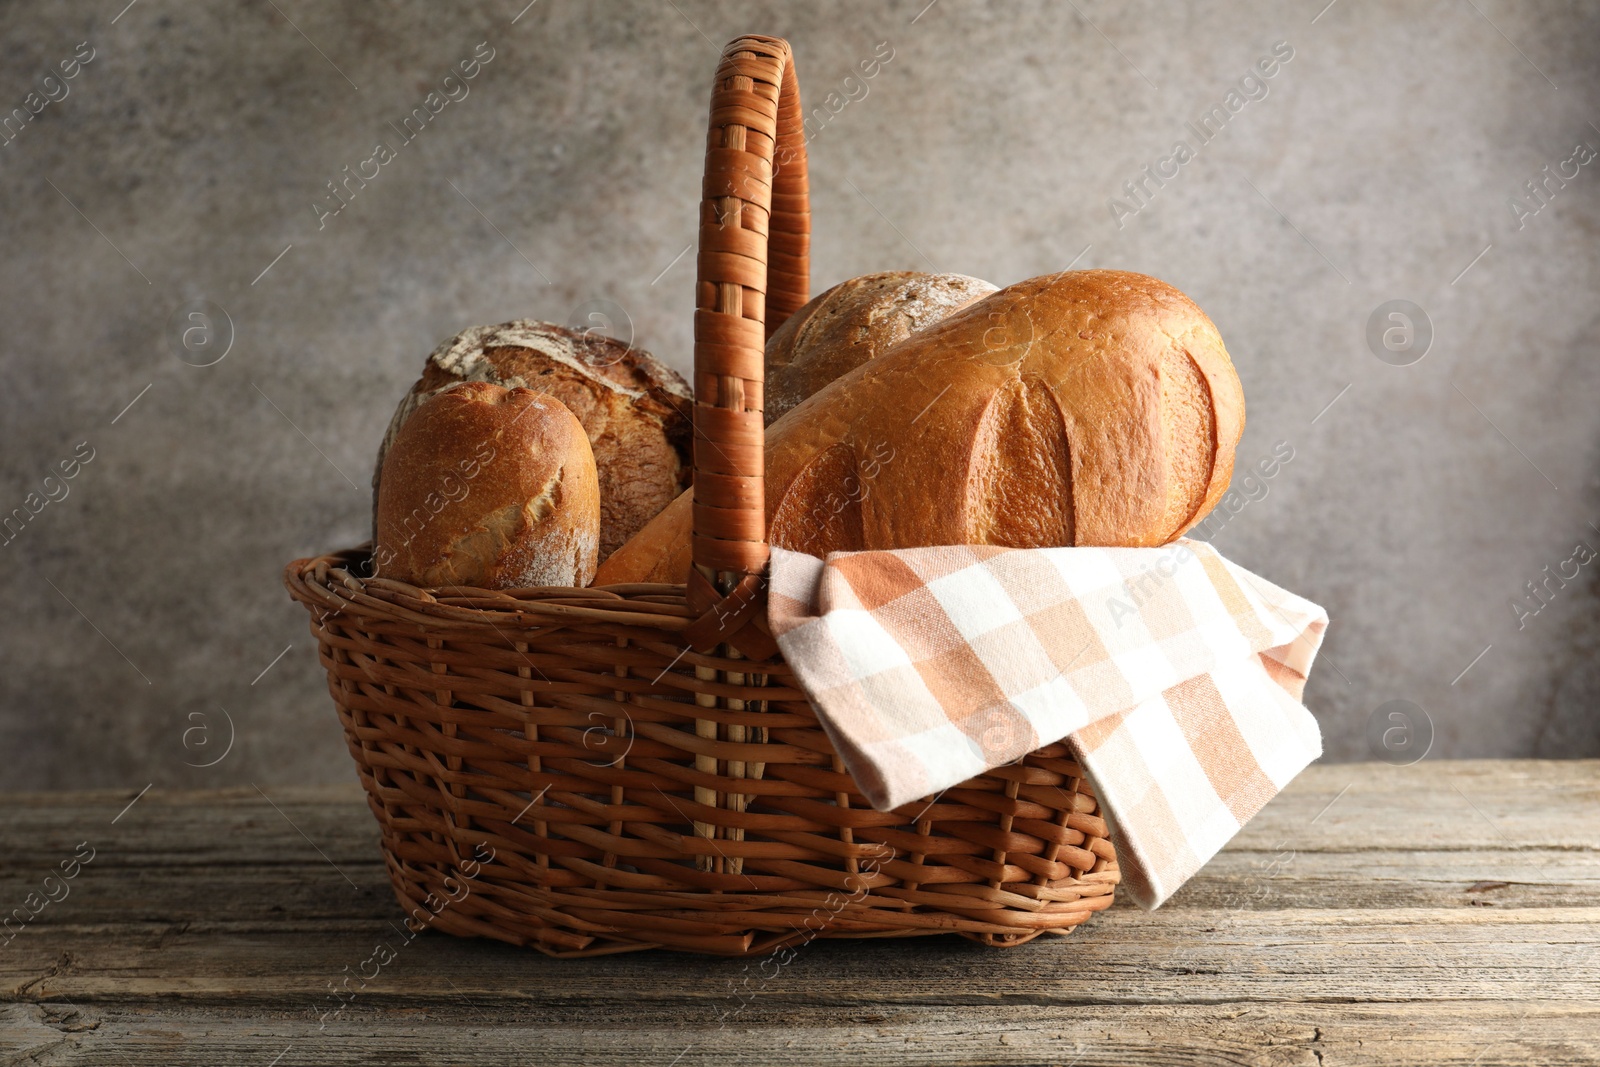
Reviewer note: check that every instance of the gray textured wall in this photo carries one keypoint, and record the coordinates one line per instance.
(191, 150)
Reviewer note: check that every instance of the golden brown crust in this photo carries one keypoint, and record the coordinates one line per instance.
(489, 487)
(659, 552)
(853, 322)
(1087, 408)
(634, 409)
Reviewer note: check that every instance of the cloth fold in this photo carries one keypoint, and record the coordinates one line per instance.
(1175, 675)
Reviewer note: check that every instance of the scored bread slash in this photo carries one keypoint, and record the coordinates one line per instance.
(634, 409)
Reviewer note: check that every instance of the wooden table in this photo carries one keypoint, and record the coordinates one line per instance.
(1446, 913)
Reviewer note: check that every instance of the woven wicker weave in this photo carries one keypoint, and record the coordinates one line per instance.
(600, 770)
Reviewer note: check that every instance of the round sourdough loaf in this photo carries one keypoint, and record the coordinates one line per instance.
(1092, 407)
(634, 409)
(853, 322)
(489, 487)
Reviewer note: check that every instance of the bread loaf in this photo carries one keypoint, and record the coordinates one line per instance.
(853, 322)
(634, 409)
(1083, 408)
(489, 487)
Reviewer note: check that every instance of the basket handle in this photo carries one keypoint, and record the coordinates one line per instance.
(753, 272)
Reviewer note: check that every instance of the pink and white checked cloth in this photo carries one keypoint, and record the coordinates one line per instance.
(1175, 675)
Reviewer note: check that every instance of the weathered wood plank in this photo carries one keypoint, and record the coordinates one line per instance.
(1129, 956)
(1497, 805)
(1238, 878)
(1434, 806)
(1473, 1034)
(1297, 878)
(224, 827)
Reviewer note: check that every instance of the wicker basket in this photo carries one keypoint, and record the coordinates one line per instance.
(599, 770)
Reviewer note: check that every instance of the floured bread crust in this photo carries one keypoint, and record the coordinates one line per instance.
(634, 409)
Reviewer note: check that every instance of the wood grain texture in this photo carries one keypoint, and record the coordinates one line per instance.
(1447, 913)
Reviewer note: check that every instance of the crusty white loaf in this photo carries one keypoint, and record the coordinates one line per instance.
(1082, 408)
(853, 322)
(634, 408)
(489, 487)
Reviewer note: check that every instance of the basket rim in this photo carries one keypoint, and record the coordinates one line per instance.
(334, 579)
(332, 585)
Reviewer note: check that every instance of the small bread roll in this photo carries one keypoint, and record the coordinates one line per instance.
(853, 322)
(489, 487)
(634, 408)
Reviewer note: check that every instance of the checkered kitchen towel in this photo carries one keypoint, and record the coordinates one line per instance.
(1175, 675)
